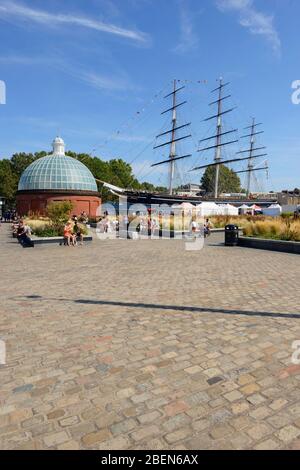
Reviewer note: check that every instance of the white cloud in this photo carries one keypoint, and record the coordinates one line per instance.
(188, 37)
(99, 81)
(22, 60)
(255, 21)
(11, 9)
(234, 4)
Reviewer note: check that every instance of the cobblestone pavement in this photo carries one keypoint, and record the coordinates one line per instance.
(142, 345)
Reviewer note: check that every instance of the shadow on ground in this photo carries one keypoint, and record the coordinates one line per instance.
(178, 308)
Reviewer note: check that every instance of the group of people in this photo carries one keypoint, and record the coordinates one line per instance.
(10, 216)
(207, 226)
(73, 231)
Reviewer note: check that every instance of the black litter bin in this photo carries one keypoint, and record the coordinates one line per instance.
(231, 235)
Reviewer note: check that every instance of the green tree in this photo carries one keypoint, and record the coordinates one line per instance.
(147, 186)
(20, 161)
(8, 180)
(115, 171)
(229, 182)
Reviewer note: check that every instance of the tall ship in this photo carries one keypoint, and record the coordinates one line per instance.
(178, 132)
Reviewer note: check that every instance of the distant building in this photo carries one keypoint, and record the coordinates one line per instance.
(57, 177)
(289, 200)
(190, 189)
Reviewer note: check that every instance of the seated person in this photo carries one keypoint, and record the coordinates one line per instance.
(68, 235)
(77, 234)
(16, 228)
(24, 234)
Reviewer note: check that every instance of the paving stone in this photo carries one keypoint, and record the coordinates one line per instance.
(241, 441)
(193, 370)
(295, 445)
(214, 380)
(178, 435)
(141, 398)
(23, 388)
(95, 437)
(175, 408)
(221, 431)
(256, 399)
(288, 433)
(260, 413)
(259, 431)
(233, 396)
(70, 445)
(278, 404)
(241, 422)
(126, 392)
(36, 420)
(149, 417)
(56, 438)
(175, 422)
(38, 431)
(145, 432)
(116, 443)
(250, 389)
(240, 407)
(123, 427)
(55, 414)
(268, 444)
(201, 424)
(69, 421)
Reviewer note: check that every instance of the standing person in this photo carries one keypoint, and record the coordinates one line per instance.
(207, 228)
(194, 226)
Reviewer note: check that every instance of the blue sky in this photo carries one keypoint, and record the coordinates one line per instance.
(96, 71)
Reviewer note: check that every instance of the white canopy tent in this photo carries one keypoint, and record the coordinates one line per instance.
(273, 211)
(187, 207)
(243, 209)
(206, 209)
(228, 209)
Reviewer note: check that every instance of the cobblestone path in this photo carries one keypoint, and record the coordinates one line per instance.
(143, 345)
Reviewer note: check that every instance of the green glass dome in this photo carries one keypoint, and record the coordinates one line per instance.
(57, 172)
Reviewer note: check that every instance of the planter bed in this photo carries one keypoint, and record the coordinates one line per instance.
(270, 244)
(57, 240)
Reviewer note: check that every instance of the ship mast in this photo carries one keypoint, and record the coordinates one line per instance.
(251, 167)
(219, 144)
(174, 139)
(218, 139)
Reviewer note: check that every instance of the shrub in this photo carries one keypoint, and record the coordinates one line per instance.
(47, 231)
(278, 229)
(59, 213)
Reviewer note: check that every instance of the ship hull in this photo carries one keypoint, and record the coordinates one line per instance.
(150, 199)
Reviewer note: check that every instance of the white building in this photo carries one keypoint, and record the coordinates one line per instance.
(190, 189)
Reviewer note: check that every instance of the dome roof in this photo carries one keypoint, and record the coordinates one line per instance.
(57, 171)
